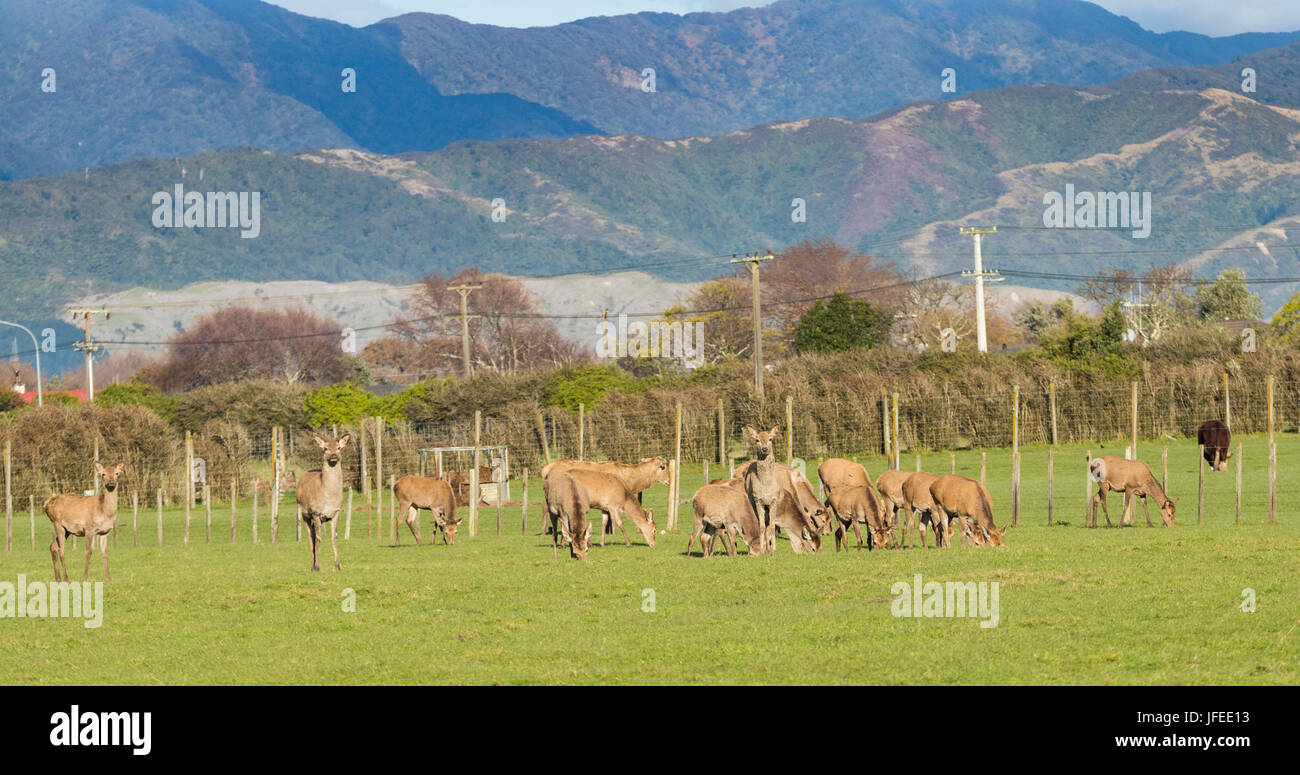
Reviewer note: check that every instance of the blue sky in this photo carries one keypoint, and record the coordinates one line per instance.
(1209, 17)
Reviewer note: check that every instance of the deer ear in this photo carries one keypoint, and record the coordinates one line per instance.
(99, 469)
(750, 433)
(121, 467)
(319, 441)
(776, 430)
(344, 439)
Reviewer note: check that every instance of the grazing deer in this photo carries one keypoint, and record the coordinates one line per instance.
(854, 505)
(320, 496)
(90, 516)
(890, 486)
(918, 507)
(725, 509)
(1216, 440)
(960, 498)
(838, 472)
(423, 492)
(808, 503)
(798, 526)
(1134, 479)
(609, 495)
(567, 504)
(636, 477)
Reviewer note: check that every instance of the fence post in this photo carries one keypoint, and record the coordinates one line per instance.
(1015, 489)
(379, 482)
(1200, 482)
(582, 428)
(275, 484)
(983, 461)
(1270, 411)
(952, 463)
(1238, 482)
(1015, 421)
(898, 445)
(523, 511)
(347, 526)
(256, 482)
(1134, 425)
(189, 483)
(1051, 403)
(297, 521)
(672, 495)
(1051, 484)
(1087, 489)
(473, 475)
(884, 425)
(789, 429)
(1272, 483)
(9, 501)
(365, 464)
(135, 519)
(160, 516)
(918, 461)
(541, 432)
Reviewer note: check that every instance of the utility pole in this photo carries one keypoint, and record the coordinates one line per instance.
(752, 260)
(464, 291)
(981, 335)
(89, 346)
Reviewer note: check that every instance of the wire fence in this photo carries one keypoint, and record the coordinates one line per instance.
(57, 454)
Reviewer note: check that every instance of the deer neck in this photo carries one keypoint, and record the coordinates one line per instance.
(331, 477)
(108, 502)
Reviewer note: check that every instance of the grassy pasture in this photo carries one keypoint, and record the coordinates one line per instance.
(1130, 605)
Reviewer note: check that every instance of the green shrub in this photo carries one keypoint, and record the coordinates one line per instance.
(135, 394)
(339, 404)
(586, 385)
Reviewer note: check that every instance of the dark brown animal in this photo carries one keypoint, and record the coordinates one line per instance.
(90, 516)
(1216, 439)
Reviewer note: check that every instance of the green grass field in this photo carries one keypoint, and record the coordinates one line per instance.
(1120, 606)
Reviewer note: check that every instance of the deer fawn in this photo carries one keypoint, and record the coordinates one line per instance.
(89, 516)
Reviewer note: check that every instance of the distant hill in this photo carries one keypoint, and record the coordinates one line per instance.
(794, 59)
(1221, 167)
(166, 78)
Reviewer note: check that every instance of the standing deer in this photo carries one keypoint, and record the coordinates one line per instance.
(320, 495)
(636, 477)
(90, 516)
(609, 495)
(890, 484)
(854, 505)
(1134, 479)
(919, 508)
(422, 492)
(762, 484)
(567, 503)
(724, 509)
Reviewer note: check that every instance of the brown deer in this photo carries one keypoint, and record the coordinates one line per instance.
(90, 516)
(797, 525)
(919, 508)
(763, 484)
(567, 504)
(424, 492)
(320, 496)
(724, 509)
(838, 472)
(808, 503)
(636, 477)
(854, 505)
(890, 486)
(1134, 479)
(960, 498)
(609, 495)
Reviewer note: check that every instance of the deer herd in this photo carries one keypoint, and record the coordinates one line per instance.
(763, 498)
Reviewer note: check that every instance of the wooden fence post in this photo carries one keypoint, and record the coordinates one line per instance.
(9, 500)
(473, 475)
(1270, 410)
(379, 482)
(884, 425)
(297, 521)
(135, 519)
(189, 483)
(1015, 421)
(918, 461)
(789, 429)
(347, 527)
(672, 495)
(1015, 489)
(160, 516)
(1087, 490)
(898, 444)
(365, 463)
(1238, 482)
(952, 463)
(523, 510)
(983, 462)
(1051, 403)
(275, 484)
(722, 434)
(1051, 484)
(677, 464)
(1272, 483)
(541, 432)
(582, 428)
(1134, 425)
(1227, 403)
(1200, 482)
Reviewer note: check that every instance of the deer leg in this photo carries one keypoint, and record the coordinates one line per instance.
(622, 526)
(103, 552)
(334, 541)
(857, 531)
(729, 542)
(312, 527)
(56, 554)
(604, 527)
(413, 522)
(90, 548)
(1146, 509)
(1101, 497)
(695, 534)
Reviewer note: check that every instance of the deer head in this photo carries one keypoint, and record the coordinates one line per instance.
(581, 544)
(333, 450)
(762, 440)
(110, 475)
(661, 469)
(1167, 510)
(447, 526)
